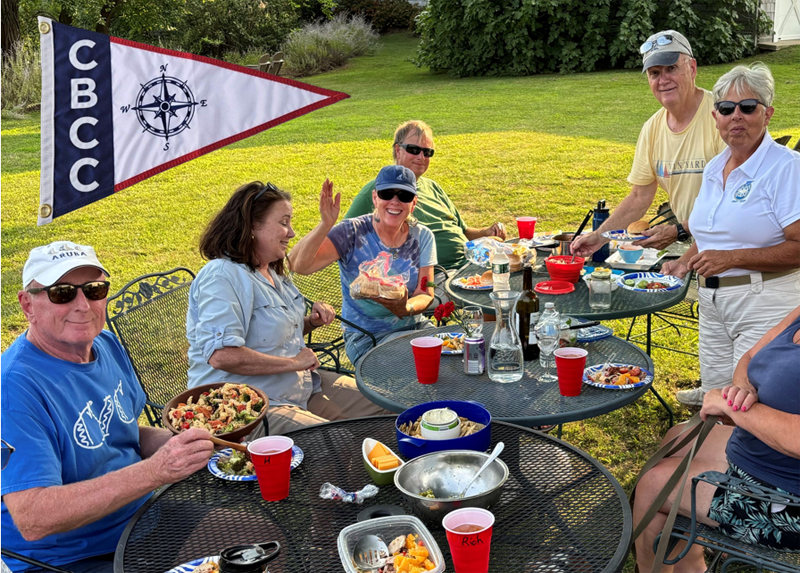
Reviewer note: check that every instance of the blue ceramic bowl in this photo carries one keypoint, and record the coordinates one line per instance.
(630, 253)
(479, 441)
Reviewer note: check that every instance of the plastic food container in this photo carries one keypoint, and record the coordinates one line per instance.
(440, 424)
(479, 441)
(562, 268)
(387, 528)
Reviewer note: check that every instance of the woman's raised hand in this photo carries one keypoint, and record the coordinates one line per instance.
(329, 205)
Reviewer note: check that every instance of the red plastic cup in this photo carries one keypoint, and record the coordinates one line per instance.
(570, 363)
(272, 459)
(427, 353)
(469, 550)
(525, 227)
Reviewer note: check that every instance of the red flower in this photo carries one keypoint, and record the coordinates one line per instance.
(424, 283)
(438, 314)
(449, 307)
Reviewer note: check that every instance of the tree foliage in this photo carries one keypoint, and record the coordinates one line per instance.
(520, 37)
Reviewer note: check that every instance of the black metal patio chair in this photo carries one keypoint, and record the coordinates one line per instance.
(783, 140)
(327, 341)
(732, 554)
(148, 315)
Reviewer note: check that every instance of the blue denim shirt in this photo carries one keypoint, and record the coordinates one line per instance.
(230, 305)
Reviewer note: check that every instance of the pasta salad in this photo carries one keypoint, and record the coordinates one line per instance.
(219, 411)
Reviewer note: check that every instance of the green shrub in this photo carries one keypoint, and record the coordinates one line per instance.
(385, 15)
(322, 46)
(22, 77)
(520, 37)
(214, 28)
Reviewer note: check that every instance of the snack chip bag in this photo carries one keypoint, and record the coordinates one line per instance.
(374, 281)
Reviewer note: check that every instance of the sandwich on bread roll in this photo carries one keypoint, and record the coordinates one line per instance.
(638, 227)
(486, 278)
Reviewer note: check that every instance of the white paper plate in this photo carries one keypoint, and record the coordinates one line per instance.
(194, 564)
(445, 335)
(671, 282)
(622, 236)
(648, 260)
(461, 283)
(648, 377)
(297, 459)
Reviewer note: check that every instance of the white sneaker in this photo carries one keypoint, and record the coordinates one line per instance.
(691, 397)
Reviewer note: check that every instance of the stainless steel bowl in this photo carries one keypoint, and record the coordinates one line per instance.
(447, 473)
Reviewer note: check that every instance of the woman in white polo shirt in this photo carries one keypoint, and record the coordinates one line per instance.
(746, 225)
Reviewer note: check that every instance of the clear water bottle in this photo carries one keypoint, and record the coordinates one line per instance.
(501, 271)
(548, 331)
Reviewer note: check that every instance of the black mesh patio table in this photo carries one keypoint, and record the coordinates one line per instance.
(560, 510)
(624, 303)
(387, 376)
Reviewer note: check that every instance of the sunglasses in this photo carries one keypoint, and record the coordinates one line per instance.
(7, 450)
(62, 294)
(415, 149)
(402, 195)
(267, 187)
(664, 40)
(747, 106)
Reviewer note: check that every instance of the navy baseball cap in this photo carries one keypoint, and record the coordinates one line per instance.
(396, 177)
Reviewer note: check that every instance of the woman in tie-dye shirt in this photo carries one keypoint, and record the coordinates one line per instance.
(389, 229)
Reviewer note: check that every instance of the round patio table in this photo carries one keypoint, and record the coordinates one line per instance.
(387, 376)
(624, 303)
(560, 509)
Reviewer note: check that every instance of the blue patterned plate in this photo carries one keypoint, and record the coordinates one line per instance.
(194, 564)
(648, 377)
(590, 334)
(671, 282)
(297, 459)
(622, 236)
(445, 336)
(462, 283)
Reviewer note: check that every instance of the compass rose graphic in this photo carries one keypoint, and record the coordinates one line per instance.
(165, 106)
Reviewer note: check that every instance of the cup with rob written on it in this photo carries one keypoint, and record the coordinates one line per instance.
(427, 355)
(272, 459)
(469, 535)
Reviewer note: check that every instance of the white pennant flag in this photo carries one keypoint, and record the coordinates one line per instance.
(115, 112)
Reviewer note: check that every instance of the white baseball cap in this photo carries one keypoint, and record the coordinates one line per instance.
(47, 264)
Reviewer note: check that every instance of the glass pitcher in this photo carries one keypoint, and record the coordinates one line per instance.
(505, 362)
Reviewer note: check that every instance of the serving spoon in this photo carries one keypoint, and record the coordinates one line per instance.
(495, 452)
(227, 444)
(370, 553)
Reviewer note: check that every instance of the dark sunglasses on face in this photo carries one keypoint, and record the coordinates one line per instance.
(415, 149)
(62, 294)
(7, 450)
(747, 106)
(402, 195)
(664, 40)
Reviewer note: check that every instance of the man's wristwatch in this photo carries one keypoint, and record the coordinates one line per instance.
(682, 234)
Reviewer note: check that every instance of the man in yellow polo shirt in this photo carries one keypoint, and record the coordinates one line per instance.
(673, 148)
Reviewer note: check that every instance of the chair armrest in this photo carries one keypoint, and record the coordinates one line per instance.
(753, 490)
(309, 304)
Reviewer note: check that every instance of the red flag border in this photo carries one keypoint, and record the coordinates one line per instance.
(331, 98)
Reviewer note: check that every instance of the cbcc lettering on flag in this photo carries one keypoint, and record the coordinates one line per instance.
(115, 112)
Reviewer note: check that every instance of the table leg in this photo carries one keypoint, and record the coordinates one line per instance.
(663, 403)
(560, 426)
(649, 333)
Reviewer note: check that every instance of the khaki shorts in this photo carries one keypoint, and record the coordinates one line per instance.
(339, 399)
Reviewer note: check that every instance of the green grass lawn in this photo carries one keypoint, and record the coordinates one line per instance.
(549, 146)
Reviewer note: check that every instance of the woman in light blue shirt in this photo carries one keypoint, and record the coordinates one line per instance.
(246, 319)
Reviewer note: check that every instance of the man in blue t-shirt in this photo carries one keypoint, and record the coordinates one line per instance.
(70, 401)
